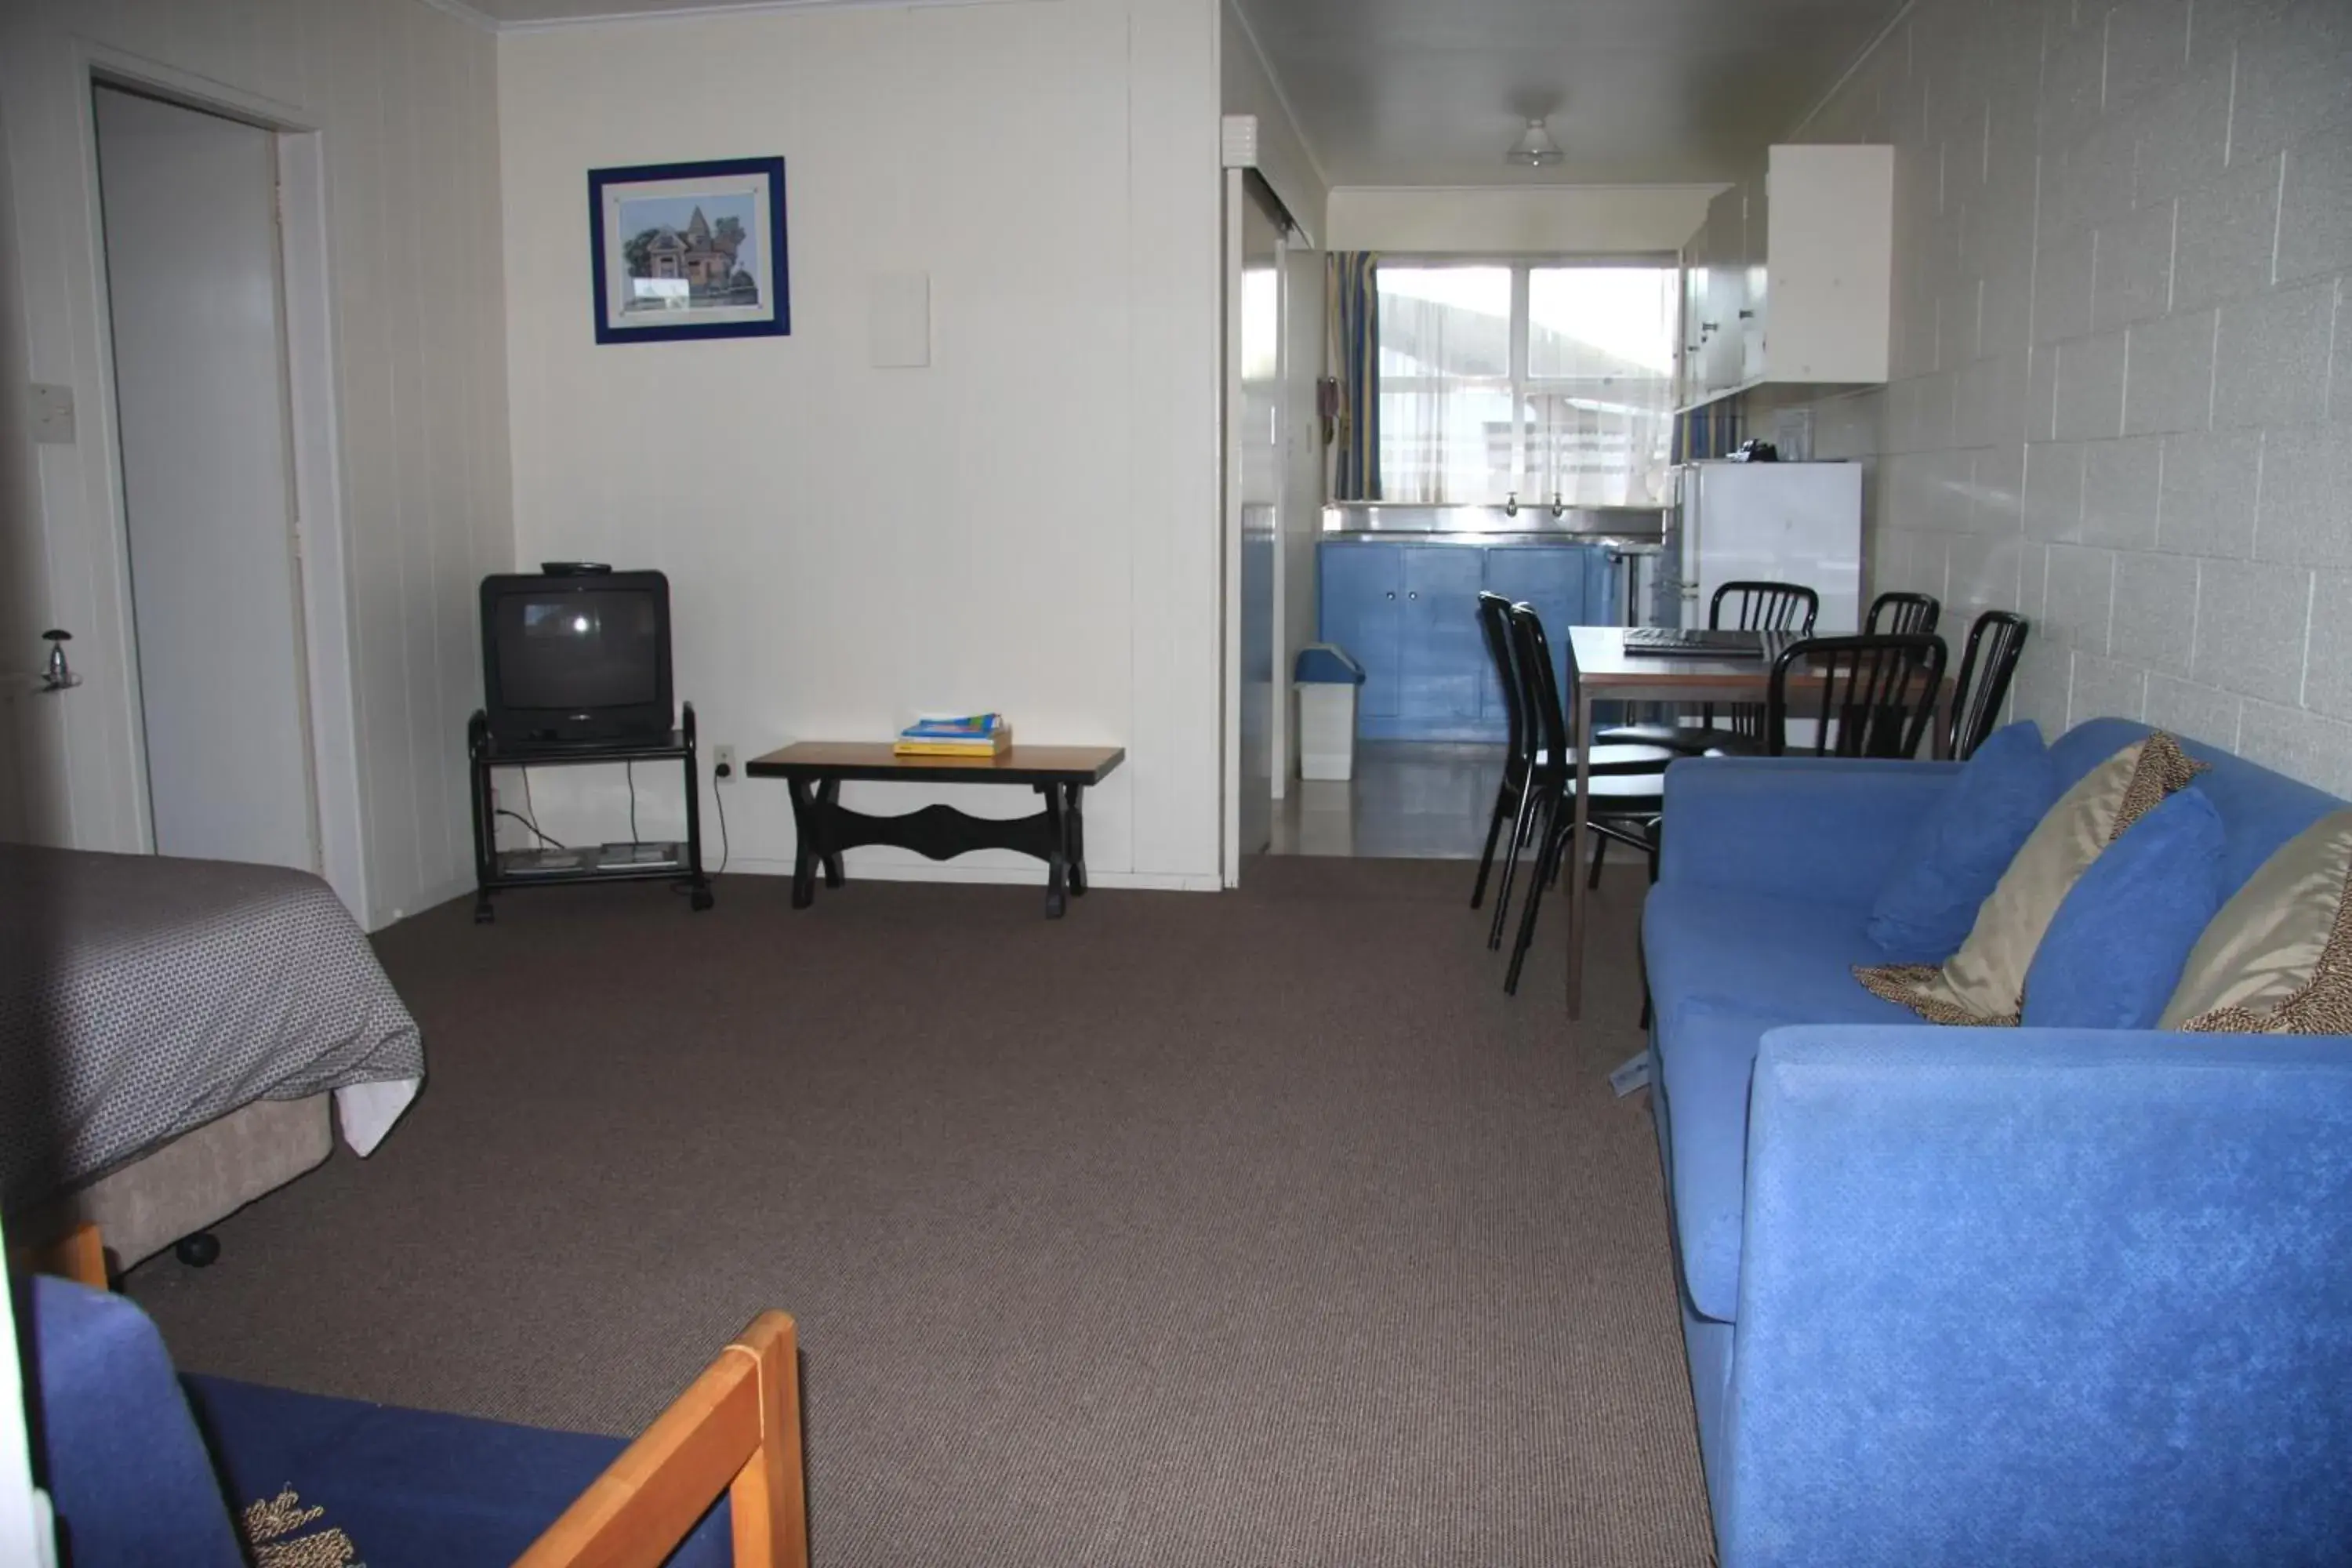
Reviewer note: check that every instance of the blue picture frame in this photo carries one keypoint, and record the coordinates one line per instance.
(666, 269)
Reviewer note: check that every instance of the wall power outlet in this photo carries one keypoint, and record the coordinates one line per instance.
(722, 762)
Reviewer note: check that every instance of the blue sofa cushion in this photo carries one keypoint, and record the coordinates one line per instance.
(1955, 856)
(1723, 968)
(2260, 809)
(2114, 948)
(412, 1487)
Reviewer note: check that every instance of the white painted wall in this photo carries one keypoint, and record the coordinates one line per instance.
(1029, 523)
(26, 1532)
(2121, 394)
(406, 98)
(1552, 220)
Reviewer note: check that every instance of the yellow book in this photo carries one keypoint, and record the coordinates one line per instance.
(951, 748)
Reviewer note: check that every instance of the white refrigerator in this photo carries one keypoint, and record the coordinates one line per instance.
(1779, 522)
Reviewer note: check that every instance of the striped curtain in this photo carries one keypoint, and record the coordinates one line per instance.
(1353, 344)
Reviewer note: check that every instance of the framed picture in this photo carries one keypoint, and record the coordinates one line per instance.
(689, 250)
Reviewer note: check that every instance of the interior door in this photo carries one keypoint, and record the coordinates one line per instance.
(195, 300)
(1258, 455)
(1253, 521)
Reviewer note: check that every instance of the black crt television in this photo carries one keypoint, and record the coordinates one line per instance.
(576, 657)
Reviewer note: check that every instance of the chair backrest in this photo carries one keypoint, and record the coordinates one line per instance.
(1539, 690)
(1904, 615)
(735, 1429)
(1875, 697)
(1765, 607)
(1982, 685)
(1495, 625)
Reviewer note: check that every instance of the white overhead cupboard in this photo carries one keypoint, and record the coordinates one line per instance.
(1790, 280)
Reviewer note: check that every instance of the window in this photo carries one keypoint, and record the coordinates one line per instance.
(1540, 380)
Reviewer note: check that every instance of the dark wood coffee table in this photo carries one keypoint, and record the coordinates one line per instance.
(814, 770)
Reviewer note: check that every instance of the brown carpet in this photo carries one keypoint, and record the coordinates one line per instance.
(1251, 1229)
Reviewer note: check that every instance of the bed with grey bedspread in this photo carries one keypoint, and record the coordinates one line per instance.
(143, 997)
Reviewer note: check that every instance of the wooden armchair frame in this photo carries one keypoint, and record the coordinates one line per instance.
(735, 1429)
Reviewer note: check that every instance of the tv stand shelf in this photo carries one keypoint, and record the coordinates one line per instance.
(496, 869)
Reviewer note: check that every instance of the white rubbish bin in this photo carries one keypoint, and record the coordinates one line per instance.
(1326, 679)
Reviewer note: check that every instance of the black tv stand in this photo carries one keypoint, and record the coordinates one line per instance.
(496, 869)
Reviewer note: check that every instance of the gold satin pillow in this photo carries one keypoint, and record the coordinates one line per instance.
(1984, 983)
(2277, 959)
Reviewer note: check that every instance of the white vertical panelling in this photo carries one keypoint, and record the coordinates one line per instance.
(1029, 522)
(2149, 205)
(404, 97)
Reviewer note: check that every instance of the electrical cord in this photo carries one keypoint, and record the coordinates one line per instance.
(719, 796)
(527, 822)
(531, 820)
(632, 771)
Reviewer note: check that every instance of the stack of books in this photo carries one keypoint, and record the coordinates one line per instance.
(955, 735)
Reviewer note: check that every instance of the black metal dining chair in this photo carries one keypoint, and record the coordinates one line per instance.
(1625, 806)
(1982, 685)
(1904, 615)
(1734, 606)
(1875, 699)
(1523, 757)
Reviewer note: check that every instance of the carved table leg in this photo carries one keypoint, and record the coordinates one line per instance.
(1057, 832)
(804, 842)
(828, 798)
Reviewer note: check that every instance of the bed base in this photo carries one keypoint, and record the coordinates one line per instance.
(169, 1197)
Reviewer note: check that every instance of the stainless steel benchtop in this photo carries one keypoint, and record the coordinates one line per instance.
(1625, 544)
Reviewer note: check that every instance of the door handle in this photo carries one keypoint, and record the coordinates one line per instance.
(1413, 595)
(1391, 592)
(56, 674)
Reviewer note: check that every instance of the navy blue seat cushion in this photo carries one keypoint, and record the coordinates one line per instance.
(411, 1487)
(2114, 951)
(1962, 845)
(110, 1436)
(1723, 968)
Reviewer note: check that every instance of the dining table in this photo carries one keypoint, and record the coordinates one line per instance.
(1601, 670)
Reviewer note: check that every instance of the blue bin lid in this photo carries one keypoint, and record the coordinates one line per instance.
(1328, 664)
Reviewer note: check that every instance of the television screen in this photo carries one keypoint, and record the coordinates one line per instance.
(574, 657)
(573, 651)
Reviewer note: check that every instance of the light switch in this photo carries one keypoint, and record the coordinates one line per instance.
(898, 320)
(53, 415)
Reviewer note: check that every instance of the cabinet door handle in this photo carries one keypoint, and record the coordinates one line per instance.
(1391, 592)
(1413, 594)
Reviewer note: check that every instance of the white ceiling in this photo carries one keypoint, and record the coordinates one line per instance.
(512, 13)
(1432, 92)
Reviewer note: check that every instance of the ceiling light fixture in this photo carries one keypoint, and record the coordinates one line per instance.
(1534, 147)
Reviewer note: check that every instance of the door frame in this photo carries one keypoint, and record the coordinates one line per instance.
(314, 449)
(1242, 185)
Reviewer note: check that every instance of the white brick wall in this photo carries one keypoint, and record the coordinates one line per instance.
(2123, 346)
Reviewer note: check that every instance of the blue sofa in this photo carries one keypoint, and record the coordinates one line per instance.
(1975, 1296)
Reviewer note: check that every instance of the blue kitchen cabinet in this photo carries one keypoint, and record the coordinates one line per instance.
(1551, 577)
(1360, 607)
(1444, 649)
(1409, 615)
